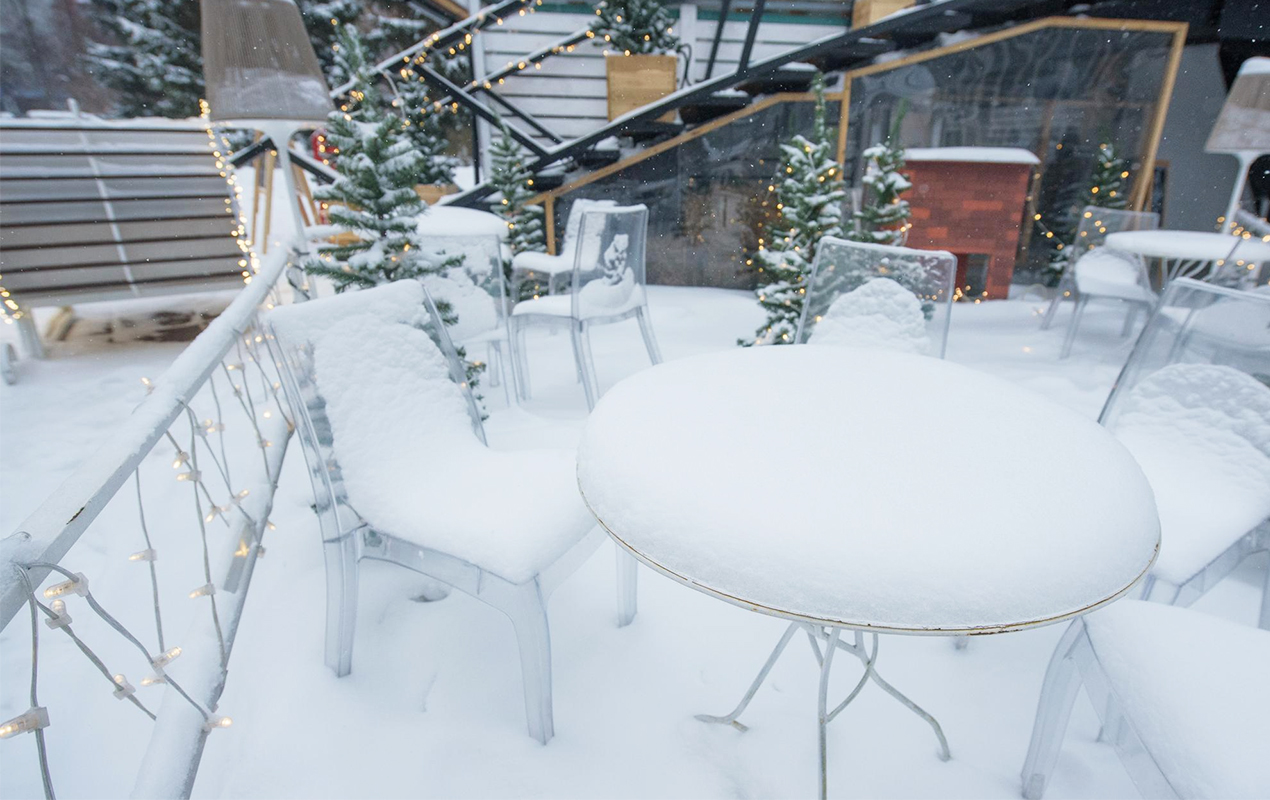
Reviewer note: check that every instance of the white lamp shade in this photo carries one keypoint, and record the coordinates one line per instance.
(1243, 126)
(258, 63)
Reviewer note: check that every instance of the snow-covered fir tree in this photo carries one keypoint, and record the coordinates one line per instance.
(513, 183)
(154, 62)
(809, 195)
(323, 20)
(1107, 184)
(374, 196)
(883, 214)
(635, 27)
(1106, 189)
(426, 126)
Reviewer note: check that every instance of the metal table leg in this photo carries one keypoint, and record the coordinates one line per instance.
(831, 638)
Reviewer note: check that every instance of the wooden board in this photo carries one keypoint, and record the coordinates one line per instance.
(867, 12)
(636, 81)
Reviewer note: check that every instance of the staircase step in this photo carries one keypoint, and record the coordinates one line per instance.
(594, 159)
(922, 30)
(783, 79)
(546, 181)
(851, 54)
(652, 130)
(713, 106)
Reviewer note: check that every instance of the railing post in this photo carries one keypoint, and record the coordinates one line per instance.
(756, 16)
(724, 9)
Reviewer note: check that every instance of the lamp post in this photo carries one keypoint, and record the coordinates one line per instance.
(261, 72)
(1243, 126)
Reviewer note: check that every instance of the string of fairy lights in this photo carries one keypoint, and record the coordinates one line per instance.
(241, 365)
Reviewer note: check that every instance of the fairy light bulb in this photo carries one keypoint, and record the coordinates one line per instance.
(149, 554)
(206, 590)
(60, 618)
(76, 585)
(33, 720)
(123, 688)
(217, 722)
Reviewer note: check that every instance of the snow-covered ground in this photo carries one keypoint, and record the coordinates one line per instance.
(433, 707)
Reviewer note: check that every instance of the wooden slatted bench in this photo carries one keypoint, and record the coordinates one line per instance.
(95, 209)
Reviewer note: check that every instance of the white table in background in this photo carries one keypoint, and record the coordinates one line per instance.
(865, 491)
(1186, 254)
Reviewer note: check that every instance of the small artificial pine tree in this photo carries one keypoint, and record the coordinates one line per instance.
(323, 20)
(155, 63)
(635, 27)
(883, 216)
(374, 196)
(426, 128)
(512, 180)
(809, 195)
(1106, 190)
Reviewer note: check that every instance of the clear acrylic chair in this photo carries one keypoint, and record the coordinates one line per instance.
(400, 472)
(1193, 405)
(1197, 728)
(878, 295)
(542, 273)
(1094, 227)
(478, 293)
(608, 286)
(1242, 268)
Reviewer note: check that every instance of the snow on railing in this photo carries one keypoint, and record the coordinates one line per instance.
(223, 386)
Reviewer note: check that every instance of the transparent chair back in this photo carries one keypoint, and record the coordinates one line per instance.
(608, 266)
(1206, 350)
(573, 225)
(1098, 223)
(293, 332)
(484, 312)
(1243, 268)
(878, 295)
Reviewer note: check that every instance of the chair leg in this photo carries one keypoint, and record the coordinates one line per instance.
(1129, 318)
(1072, 326)
(582, 356)
(627, 587)
(341, 602)
(1264, 622)
(650, 341)
(1061, 293)
(1058, 695)
(533, 637)
(500, 372)
(520, 361)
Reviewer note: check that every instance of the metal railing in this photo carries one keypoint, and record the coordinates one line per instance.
(217, 407)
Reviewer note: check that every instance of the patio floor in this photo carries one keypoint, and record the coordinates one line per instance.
(433, 707)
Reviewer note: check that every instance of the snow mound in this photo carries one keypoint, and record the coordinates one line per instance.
(881, 313)
(1201, 433)
(413, 467)
(301, 323)
(672, 463)
(1202, 709)
(477, 312)
(1110, 273)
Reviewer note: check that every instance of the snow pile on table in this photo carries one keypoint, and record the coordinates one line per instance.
(668, 463)
(1201, 433)
(474, 307)
(414, 469)
(1194, 687)
(881, 313)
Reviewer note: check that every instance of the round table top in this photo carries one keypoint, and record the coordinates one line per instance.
(867, 489)
(1187, 245)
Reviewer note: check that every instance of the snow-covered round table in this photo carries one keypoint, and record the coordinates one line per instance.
(1186, 254)
(866, 490)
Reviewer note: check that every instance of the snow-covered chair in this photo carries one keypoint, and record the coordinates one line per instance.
(1095, 225)
(535, 268)
(1193, 406)
(1183, 698)
(878, 296)
(400, 472)
(1107, 274)
(608, 286)
(478, 293)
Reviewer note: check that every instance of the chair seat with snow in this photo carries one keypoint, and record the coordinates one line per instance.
(1096, 272)
(1193, 406)
(1182, 696)
(401, 473)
